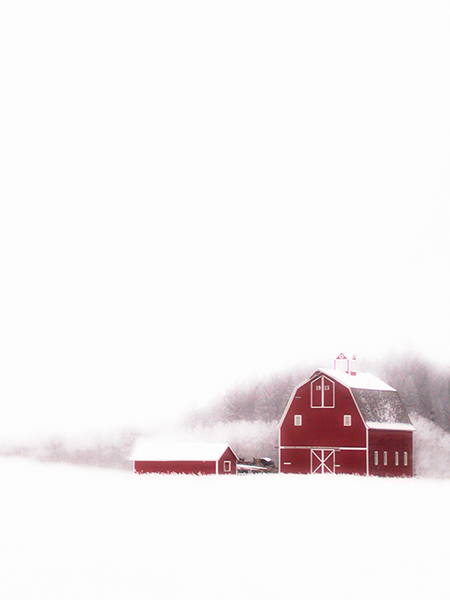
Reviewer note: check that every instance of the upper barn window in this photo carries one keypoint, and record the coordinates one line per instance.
(322, 393)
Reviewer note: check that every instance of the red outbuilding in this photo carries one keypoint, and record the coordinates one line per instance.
(190, 458)
(341, 421)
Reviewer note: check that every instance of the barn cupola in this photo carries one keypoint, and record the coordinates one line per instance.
(342, 363)
(353, 365)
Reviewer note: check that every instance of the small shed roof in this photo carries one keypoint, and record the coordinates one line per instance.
(152, 451)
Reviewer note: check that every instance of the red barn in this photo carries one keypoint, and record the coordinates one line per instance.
(192, 458)
(345, 422)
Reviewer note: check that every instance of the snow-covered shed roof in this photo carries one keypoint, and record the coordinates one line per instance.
(147, 450)
(380, 404)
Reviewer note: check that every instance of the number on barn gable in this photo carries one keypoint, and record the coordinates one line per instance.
(322, 393)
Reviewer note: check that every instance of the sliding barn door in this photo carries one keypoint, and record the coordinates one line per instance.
(322, 461)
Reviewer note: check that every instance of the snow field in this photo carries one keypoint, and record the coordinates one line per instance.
(71, 533)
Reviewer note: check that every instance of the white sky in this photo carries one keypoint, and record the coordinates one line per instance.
(197, 194)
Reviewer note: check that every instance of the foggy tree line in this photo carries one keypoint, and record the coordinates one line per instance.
(424, 389)
(110, 451)
(262, 401)
(246, 417)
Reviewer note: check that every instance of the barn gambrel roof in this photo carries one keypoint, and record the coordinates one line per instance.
(379, 404)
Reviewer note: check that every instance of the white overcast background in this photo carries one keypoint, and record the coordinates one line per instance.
(195, 195)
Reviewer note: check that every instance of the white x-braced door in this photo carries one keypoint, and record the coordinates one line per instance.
(322, 461)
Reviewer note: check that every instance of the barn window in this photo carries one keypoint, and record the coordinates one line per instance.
(298, 420)
(375, 458)
(347, 420)
(227, 466)
(322, 393)
(396, 459)
(385, 458)
(405, 458)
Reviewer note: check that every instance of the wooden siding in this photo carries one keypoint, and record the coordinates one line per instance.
(314, 439)
(389, 441)
(187, 467)
(346, 461)
(228, 455)
(352, 461)
(323, 427)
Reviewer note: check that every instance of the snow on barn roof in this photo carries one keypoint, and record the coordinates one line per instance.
(380, 404)
(361, 381)
(147, 450)
(382, 410)
(396, 426)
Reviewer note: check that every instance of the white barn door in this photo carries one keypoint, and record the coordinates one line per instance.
(322, 461)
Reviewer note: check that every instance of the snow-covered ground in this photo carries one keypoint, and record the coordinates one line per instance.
(70, 532)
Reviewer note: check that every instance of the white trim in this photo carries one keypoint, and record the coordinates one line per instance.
(291, 399)
(322, 392)
(352, 396)
(347, 381)
(298, 420)
(323, 458)
(341, 358)
(311, 391)
(360, 381)
(225, 463)
(323, 447)
(279, 450)
(347, 420)
(367, 424)
(360, 414)
(391, 426)
(367, 450)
